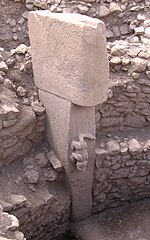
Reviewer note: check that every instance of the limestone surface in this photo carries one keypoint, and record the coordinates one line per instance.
(69, 56)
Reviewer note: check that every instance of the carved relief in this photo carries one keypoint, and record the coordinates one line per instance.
(80, 153)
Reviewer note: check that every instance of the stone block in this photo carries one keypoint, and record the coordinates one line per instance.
(69, 56)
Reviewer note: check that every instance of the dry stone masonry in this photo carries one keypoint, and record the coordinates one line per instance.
(72, 76)
(9, 227)
(122, 169)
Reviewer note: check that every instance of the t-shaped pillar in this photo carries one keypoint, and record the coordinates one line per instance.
(71, 72)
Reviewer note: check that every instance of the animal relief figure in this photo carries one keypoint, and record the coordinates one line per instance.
(80, 153)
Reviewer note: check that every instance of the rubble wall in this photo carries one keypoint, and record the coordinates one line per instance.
(20, 134)
(47, 219)
(127, 106)
(122, 169)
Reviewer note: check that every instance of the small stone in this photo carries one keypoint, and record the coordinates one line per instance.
(54, 161)
(147, 145)
(21, 91)
(144, 54)
(7, 207)
(135, 75)
(115, 8)
(28, 64)
(21, 49)
(134, 147)
(31, 176)
(8, 84)
(117, 50)
(102, 174)
(14, 223)
(12, 23)
(139, 30)
(21, 21)
(146, 90)
(82, 9)
(19, 235)
(113, 147)
(148, 74)
(15, 36)
(3, 66)
(40, 4)
(141, 17)
(138, 65)
(133, 53)
(125, 61)
(109, 33)
(41, 159)
(38, 108)
(115, 61)
(25, 14)
(50, 175)
(120, 173)
(103, 11)
(17, 200)
(147, 32)
(1, 79)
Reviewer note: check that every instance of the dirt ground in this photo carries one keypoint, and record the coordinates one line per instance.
(131, 222)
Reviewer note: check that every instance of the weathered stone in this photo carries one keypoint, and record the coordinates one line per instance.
(138, 65)
(102, 174)
(146, 146)
(14, 223)
(115, 61)
(118, 50)
(139, 30)
(21, 91)
(134, 147)
(41, 159)
(50, 175)
(21, 49)
(103, 11)
(115, 8)
(121, 173)
(7, 207)
(17, 200)
(54, 161)
(3, 66)
(125, 61)
(82, 76)
(38, 108)
(8, 84)
(113, 147)
(147, 32)
(40, 3)
(31, 176)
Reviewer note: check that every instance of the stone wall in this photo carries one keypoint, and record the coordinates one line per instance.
(9, 227)
(22, 116)
(19, 132)
(127, 106)
(47, 219)
(122, 169)
(32, 189)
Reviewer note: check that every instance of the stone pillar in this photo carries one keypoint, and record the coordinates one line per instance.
(71, 72)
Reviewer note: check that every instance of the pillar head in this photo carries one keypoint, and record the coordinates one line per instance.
(69, 56)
